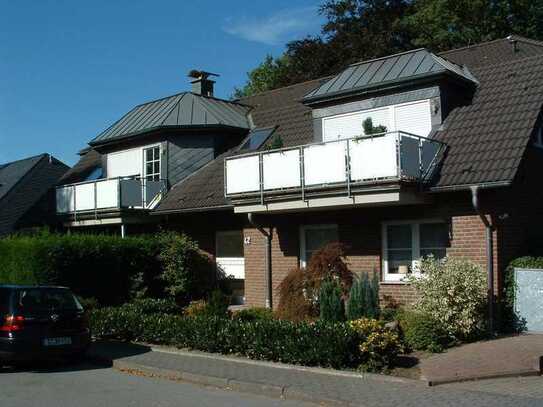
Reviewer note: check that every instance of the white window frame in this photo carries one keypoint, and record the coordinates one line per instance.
(415, 248)
(303, 229)
(237, 262)
(144, 159)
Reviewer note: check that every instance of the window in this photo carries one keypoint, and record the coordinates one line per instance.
(404, 243)
(314, 237)
(95, 174)
(151, 163)
(538, 138)
(256, 139)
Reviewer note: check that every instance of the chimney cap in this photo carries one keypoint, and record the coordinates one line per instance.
(198, 74)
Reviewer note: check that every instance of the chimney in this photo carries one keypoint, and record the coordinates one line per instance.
(201, 84)
(513, 42)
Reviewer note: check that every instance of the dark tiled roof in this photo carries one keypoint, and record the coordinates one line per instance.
(30, 198)
(11, 173)
(377, 73)
(181, 110)
(89, 161)
(487, 139)
(494, 52)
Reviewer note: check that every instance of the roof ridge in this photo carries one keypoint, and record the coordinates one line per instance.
(367, 61)
(510, 62)
(482, 44)
(24, 159)
(19, 180)
(288, 86)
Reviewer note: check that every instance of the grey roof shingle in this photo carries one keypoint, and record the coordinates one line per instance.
(394, 69)
(182, 110)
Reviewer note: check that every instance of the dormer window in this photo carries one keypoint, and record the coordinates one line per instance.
(151, 165)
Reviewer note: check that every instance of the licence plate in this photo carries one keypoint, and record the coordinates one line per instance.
(57, 341)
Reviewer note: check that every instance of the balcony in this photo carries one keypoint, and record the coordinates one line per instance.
(108, 195)
(347, 171)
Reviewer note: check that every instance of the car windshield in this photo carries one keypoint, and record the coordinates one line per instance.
(38, 300)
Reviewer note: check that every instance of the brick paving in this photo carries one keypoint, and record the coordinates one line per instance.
(322, 384)
(517, 355)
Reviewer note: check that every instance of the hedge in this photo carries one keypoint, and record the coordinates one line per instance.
(321, 343)
(108, 268)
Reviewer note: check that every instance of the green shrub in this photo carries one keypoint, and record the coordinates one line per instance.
(423, 332)
(152, 306)
(108, 268)
(511, 321)
(322, 343)
(453, 292)
(88, 303)
(364, 298)
(330, 302)
(253, 314)
(217, 305)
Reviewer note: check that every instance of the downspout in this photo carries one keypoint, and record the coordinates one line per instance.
(268, 236)
(489, 228)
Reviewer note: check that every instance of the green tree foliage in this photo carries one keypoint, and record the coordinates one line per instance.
(446, 24)
(364, 298)
(357, 30)
(331, 304)
(370, 129)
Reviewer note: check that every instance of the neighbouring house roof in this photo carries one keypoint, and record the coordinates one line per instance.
(388, 71)
(11, 173)
(90, 160)
(23, 185)
(178, 111)
(486, 140)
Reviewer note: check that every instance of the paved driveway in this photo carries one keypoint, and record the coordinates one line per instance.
(86, 385)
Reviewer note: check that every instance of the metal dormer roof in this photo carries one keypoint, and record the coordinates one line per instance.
(183, 110)
(388, 71)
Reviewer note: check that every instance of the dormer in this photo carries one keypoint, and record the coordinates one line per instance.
(411, 92)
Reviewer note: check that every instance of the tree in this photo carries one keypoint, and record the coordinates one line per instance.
(264, 77)
(446, 24)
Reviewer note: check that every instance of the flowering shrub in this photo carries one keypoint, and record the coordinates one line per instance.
(452, 292)
(379, 346)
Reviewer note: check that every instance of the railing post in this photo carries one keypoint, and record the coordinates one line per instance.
(95, 201)
(261, 177)
(421, 169)
(119, 193)
(399, 153)
(225, 175)
(302, 172)
(75, 203)
(348, 168)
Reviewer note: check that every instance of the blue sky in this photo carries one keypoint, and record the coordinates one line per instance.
(68, 69)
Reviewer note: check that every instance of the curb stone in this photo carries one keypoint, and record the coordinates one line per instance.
(524, 373)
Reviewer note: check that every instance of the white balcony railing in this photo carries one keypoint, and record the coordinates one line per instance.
(108, 194)
(394, 156)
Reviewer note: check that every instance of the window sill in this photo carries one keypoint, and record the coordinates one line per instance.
(393, 283)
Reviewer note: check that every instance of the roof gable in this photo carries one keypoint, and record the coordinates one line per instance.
(181, 110)
(11, 173)
(391, 70)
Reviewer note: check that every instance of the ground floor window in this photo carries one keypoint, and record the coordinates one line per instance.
(231, 261)
(314, 237)
(404, 243)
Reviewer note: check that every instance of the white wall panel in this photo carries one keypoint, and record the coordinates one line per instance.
(232, 266)
(65, 199)
(84, 197)
(281, 169)
(325, 163)
(107, 193)
(350, 125)
(125, 163)
(243, 175)
(373, 158)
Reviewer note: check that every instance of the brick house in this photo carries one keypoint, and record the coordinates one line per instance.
(448, 165)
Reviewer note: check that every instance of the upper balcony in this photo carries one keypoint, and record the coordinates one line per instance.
(361, 170)
(109, 195)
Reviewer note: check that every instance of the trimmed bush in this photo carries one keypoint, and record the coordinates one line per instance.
(330, 302)
(364, 298)
(322, 343)
(423, 332)
(453, 292)
(253, 314)
(108, 268)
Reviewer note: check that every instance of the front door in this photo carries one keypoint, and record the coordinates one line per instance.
(231, 261)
